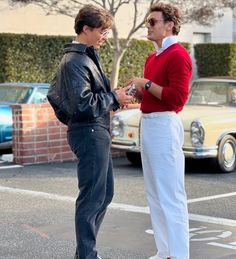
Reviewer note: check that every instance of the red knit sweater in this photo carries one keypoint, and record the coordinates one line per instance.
(172, 69)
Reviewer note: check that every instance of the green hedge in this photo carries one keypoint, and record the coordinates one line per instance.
(215, 59)
(34, 58)
(132, 61)
(29, 58)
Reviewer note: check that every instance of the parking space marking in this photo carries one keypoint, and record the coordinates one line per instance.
(194, 232)
(228, 246)
(194, 217)
(116, 206)
(223, 234)
(10, 166)
(212, 197)
(213, 220)
(45, 195)
(205, 234)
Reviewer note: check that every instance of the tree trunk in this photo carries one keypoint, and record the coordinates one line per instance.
(117, 57)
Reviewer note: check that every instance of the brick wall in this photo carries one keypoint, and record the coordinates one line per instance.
(38, 137)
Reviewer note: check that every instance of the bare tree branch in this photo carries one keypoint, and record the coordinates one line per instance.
(204, 12)
(136, 27)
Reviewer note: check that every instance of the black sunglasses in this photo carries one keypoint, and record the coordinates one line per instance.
(152, 21)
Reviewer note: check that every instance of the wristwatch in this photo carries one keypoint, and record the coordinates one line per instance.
(148, 85)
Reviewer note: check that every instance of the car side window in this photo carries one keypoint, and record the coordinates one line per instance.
(39, 96)
(209, 93)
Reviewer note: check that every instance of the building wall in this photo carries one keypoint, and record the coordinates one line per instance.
(219, 32)
(234, 25)
(32, 19)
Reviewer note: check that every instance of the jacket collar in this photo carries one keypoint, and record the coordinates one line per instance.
(91, 52)
(76, 47)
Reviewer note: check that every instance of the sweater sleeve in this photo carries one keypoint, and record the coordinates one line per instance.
(179, 73)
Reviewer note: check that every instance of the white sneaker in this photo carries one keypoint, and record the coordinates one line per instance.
(99, 257)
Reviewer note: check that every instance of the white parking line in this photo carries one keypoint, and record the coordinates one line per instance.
(10, 166)
(212, 197)
(223, 245)
(124, 207)
(194, 217)
(45, 195)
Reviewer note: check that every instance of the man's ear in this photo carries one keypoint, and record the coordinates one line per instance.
(86, 28)
(170, 25)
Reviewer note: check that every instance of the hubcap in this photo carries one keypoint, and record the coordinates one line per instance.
(229, 154)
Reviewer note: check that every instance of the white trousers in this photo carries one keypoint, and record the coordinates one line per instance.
(162, 138)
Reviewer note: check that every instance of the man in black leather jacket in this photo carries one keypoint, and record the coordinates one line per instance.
(85, 101)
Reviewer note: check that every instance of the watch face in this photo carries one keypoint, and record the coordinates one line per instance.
(148, 85)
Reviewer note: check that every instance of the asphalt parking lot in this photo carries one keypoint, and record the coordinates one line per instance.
(37, 213)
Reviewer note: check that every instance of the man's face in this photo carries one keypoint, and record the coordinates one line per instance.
(97, 37)
(158, 29)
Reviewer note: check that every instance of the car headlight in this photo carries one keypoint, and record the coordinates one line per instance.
(117, 127)
(197, 133)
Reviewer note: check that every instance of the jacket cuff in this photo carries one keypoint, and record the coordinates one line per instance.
(116, 105)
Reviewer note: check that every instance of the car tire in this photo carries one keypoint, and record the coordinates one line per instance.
(134, 158)
(227, 154)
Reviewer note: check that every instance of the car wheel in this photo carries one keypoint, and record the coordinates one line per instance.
(134, 158)
(227, 154)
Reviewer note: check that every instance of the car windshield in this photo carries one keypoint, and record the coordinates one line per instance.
(213, 93)
(14, 94)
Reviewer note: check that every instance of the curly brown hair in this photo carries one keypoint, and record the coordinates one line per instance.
(93, 17)
(169, 13)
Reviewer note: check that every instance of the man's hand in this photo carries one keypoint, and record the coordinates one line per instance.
(122, 96)
(140, 82)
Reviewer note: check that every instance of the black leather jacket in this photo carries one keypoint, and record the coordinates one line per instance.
(82, 87)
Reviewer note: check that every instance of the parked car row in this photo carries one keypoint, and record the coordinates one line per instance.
(209, 120)
(17, 93)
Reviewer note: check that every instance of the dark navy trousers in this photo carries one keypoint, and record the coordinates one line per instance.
(91, 145)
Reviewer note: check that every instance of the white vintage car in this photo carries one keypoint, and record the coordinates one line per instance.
(209, 120)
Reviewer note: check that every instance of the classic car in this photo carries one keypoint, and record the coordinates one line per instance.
(17, 93)
(209, 119)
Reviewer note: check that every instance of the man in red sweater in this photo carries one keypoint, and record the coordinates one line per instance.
(163, 92)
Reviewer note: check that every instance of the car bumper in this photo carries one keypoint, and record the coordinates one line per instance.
(6, 145)
(201, 152)
(191, 152)
(125, 145)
